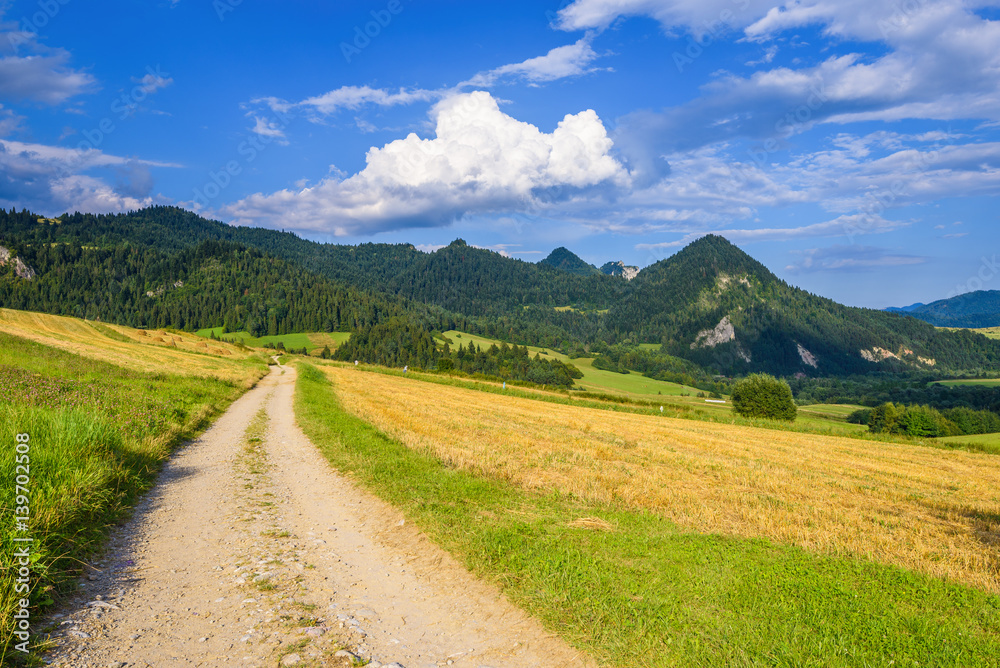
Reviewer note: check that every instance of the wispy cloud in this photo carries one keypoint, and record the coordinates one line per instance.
(266, 127)
(562, 62)
(29, 70)
(837, 227)
(851, 259)
(54, 179)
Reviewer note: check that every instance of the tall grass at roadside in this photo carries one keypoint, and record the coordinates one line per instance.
(644, 592)
(98, 435)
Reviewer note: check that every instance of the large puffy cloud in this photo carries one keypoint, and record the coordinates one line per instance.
(480, 160)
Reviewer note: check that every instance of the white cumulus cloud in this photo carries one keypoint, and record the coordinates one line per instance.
(480, 160)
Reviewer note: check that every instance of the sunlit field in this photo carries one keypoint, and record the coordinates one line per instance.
(153, 350)
(594, 380)
(933, 511)
(575, 512)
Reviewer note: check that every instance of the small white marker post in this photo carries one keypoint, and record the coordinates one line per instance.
(355, 362)
(661, 409)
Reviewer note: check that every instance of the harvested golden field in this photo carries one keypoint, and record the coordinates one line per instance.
(155, 350)
(920, 508)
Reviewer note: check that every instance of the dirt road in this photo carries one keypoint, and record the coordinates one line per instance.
(252, 551)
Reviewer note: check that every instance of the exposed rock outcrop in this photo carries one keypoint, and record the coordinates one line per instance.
(619, 268)
(807, 357)
(21, 270)
(709, 338)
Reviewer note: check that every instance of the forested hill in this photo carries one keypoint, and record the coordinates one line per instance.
(475, 281)
(711, 303)
(566, 260)
(738, 316)
(972, 309)
(500, 297)
(205, 284)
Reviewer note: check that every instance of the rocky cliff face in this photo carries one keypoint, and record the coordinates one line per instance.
(620, 269)
(20, 268)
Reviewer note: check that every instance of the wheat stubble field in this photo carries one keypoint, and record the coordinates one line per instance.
(154, 351)
(931, 511)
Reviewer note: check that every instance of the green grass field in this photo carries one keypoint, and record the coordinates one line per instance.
(990, 442)
(631, 588)
(990, 332)
(313, 342)
(830, 417)
(988, 382)
(97, 433)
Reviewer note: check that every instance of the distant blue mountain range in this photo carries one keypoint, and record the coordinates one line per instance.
(973, 309)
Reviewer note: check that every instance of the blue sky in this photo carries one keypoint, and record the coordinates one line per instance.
(853, 146)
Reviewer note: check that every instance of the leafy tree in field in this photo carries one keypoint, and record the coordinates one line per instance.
(761, 395)
(929, 422)
(884, 419)
(921, 421)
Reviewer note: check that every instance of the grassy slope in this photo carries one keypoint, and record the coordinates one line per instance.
(988, 441)
(98, 431)
(311, 341)
(991, 332)
(988, 382)
(153, 350)
(646, 592)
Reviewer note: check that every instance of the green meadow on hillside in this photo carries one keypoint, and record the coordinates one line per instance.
(313, 342)
(990, 442)
(987, 382)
